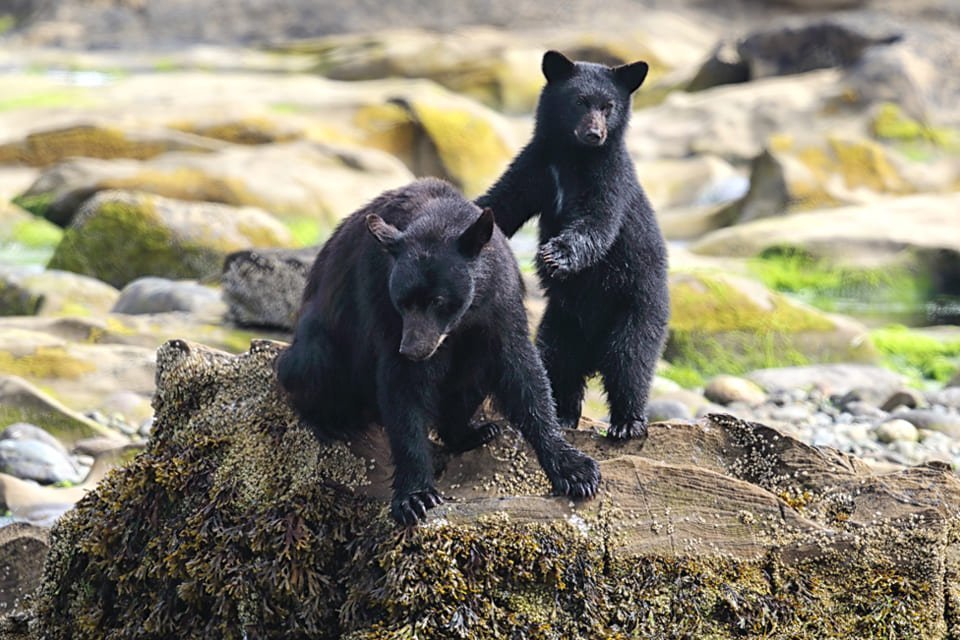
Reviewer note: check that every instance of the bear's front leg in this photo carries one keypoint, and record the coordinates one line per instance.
(523, 394)
(403, 411)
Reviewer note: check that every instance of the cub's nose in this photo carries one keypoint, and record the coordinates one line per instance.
(594, 135)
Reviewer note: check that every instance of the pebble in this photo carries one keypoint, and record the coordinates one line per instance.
(896, 431)
(903, 398)
(727, 390)
(657, 411)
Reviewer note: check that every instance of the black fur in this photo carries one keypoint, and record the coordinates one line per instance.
(412, 315)
(602, 259)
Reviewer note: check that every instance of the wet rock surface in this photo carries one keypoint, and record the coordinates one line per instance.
(685, 535)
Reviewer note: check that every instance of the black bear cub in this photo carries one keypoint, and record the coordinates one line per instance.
(412, 315)
(602, 258)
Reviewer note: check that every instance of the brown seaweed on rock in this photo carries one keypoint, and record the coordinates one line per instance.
(236, 523)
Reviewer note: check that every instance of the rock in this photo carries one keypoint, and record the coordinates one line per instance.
(689, 223)
(948, 396)
(667, 410)
(133, 407)
(835, 379)
(77, 373)
(328, 183)
(916, 232)
(23, 549)
(52, 292)
(909, 398)
(120, 236)
(896, 430)
(735, 122)
(788, 177)
(946, 423)
(727, 324)
(702, 180)
(22, 402)
(740, 498)
(725, 389)
(160, 295)
(724, 66)
(954, 382)
(264, 288)
(38, 461)
(27, 431)
(45, 147)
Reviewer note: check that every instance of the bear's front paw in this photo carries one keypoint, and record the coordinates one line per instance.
(411, 508)
(575, 474)
(557, 257)
(635, 430)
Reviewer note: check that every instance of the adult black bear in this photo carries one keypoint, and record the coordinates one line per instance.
(412, 315)
(602, 259)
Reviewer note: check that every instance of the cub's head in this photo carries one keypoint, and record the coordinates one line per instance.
(435, 268)
(586, 103)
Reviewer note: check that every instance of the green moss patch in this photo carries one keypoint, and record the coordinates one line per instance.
(834, 287)
(920, 357)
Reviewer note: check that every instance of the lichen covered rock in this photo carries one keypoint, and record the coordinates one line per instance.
(120, 236)
(235, 522)
(727, 324)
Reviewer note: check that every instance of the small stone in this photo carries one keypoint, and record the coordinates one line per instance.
(895, 431)
(726, 390)
(908, 398)
(26, 431)
(664, 410)
(38, 461)
(946, 423)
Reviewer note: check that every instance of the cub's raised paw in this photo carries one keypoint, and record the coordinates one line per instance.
(574, 474)
(409, 509)
(635, 430)
(474, 436)
(557, 259)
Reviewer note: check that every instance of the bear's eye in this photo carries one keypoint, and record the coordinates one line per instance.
(607, 108)
(582, 101)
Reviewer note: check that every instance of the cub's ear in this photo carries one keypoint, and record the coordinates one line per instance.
(556, 66)
(386, 234)
(631, 76)
(472, 241)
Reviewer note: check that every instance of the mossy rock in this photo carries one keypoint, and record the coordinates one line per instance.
(53, 292)
(44, 148)
(726, 324)
(22, 402)
(120, 236)
(235, 522)
(440, 135)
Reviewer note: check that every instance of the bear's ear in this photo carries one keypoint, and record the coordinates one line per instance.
(556, 66)
(631, 76)
(386, 234)
(477, 235)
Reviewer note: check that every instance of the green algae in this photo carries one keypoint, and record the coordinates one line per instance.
(918, 356)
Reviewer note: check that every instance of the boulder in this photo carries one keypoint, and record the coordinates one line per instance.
(831, 379)
(264, 288)
(790, 176)
(916, 232)
(23, 549)
(51, 292)
(732, 325)
(236, 521)
(160, 295)
(119, 236)
(21, 402)
(292, 180)
(45, 147)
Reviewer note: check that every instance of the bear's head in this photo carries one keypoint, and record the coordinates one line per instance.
(436, 265)
(586, 103)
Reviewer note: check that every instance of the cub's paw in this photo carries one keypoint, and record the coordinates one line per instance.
(473, 437)
(574, 474)
(411, 508)
(635, 429)
(557, 257)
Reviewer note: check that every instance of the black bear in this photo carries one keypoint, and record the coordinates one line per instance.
(602, 259)
(412, 315)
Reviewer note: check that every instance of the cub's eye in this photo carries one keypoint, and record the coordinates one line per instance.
(582, 101)
(439, 301)
(607, 108)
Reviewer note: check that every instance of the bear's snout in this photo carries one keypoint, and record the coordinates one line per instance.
(592, 130)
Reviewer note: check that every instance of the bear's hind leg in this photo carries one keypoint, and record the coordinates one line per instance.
(627, 366)
(566, 357)
(454, 426)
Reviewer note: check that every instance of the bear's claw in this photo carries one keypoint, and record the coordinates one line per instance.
(410, 509)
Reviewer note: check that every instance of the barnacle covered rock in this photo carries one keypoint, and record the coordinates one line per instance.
(236, 523)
